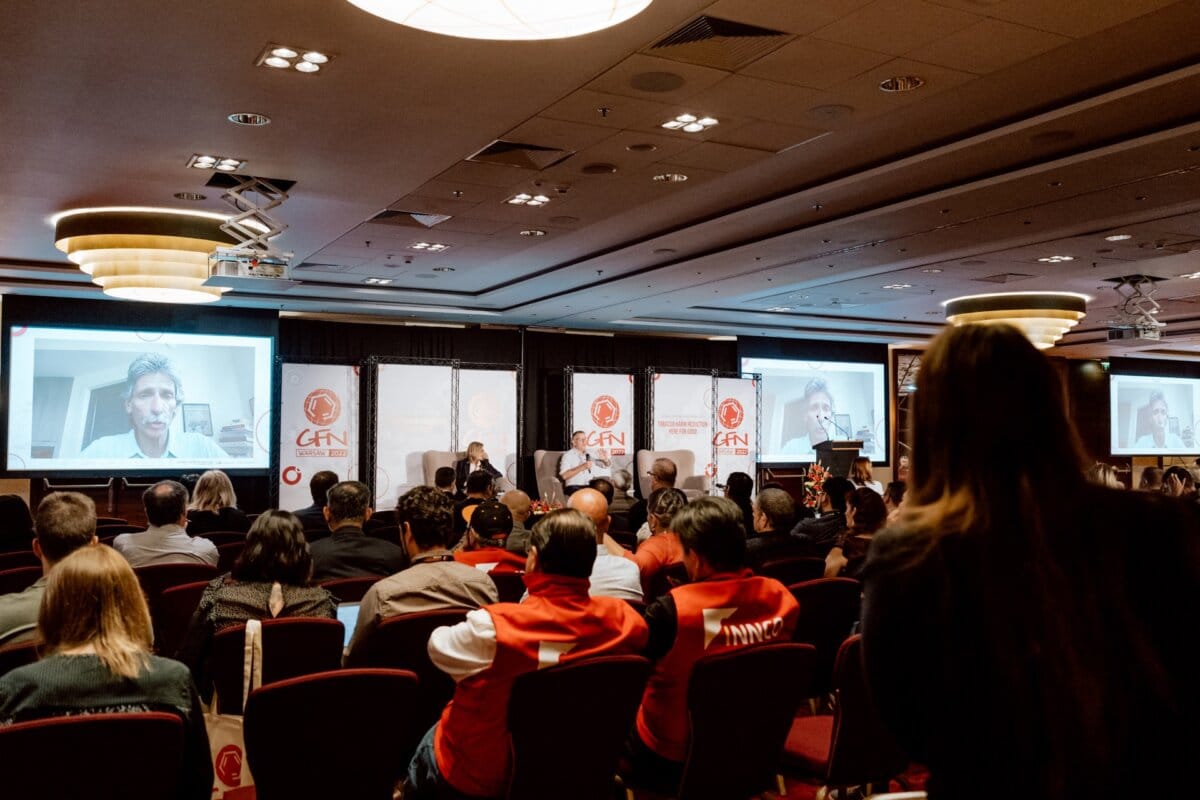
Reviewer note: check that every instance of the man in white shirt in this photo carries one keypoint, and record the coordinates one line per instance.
(577, 467)
(1159, 438)
(612, 576)
(166, 540)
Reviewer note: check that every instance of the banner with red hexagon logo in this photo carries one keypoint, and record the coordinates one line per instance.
(318, 427)
(602, 406)
(735, 440)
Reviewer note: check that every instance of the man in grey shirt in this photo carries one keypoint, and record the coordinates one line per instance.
(166, 540)
(64, 522)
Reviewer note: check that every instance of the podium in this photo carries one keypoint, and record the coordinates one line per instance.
(837, 456)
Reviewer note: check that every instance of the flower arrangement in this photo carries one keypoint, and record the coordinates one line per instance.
(814, 484)
(541, 506)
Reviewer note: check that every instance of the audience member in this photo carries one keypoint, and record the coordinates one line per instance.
(862, 476)
(479, 488)
(214, 506)
(99, 662)
(313, 517)
(739, 487)
(445, 482)
(662, 476)
(476, 461)
(893, 496)
(166, 540)
(468, 750)
(1104, 475)
(769, 538)
(608, 487)
(1152, 480)
(348, 552)
(822, 533)
(662, 549)
(1178, 482)
(1013, 625)
(16, 525)
(434, 580)
(682, 630)
(521, 508)
(865, 515)
(66, 521)
(577, 466)
(485, 548)
(612, 575)
(271, 578)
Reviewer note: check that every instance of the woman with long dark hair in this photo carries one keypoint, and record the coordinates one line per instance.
(1017, 639)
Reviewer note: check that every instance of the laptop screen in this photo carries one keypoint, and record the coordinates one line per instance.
(348, 616)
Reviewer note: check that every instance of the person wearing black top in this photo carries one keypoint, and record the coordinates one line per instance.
(479, 488)
(214, 506)
(313, 517)
(769, 539)
(476, 461)
(348, 552)
(821, 533)
(739, 487)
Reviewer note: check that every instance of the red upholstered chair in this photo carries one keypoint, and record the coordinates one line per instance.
(509, 585)
(224, 537)
(227, 554)
(829, 607)
(21, 558)
(292, 646)
(116, 529)
(851, 747)
(389, 533)
(63, 757)
(401, 643)
(362, 720)
(665, 580)
(103, 521)
(18, 655)
(350, 590)
(793, 570)
(173, 613)
(157, 578)
(569, 724)
(18, 579)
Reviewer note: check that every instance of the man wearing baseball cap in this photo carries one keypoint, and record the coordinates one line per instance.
(488, 525)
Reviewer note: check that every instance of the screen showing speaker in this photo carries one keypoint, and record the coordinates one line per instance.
(121, 401)
(805, 403)
(1153, 416)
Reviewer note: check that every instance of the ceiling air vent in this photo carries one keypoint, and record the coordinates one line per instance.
(719, 43)
(1004, 277)
(408, 219)
(524, 156)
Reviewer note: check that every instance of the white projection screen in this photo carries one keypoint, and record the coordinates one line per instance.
(413, 414)
(318, 430)
(487, 413)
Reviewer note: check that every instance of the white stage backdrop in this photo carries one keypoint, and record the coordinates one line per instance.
(602, 406)
(682, 417)
(736, 437)
(487, 412)
(318, 427)
(413, 415)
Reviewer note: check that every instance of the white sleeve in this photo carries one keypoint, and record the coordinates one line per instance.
(465, 649)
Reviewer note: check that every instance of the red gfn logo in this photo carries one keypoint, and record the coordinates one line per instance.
(228, 765)
(322, 407)
(730, 413)
(606, 411)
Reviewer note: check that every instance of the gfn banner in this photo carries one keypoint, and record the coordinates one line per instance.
(682, 417)
(602, 407)
(413, 415)
(318, 428)
(736, 438)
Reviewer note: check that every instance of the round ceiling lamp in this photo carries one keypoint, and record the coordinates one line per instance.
(148, 254)
(1044, 317)
(506, 19)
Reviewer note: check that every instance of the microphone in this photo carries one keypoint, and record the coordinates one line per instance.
(587, 456)
(837, 427)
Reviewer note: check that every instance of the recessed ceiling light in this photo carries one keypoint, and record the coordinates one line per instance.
(443, 269)
(524, 199)
(671, 177)
(282, 56)
(277, 62)
(193, 196)
(901, 83)
(533, 232)
(898, 286)
(222, 163)
(284, 52)
(932, 271)
(313, 57)
(641, 147)
(249, 118)
(377, 281)
(1055, 259)
(690, 123)
(429, 247)
(1118, 237)
(307, 66)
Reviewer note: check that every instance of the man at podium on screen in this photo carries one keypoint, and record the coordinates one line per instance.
(817, 407)
(152, 394)
(1158, 438)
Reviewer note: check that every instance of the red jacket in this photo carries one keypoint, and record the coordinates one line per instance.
(505, 560)
(557, 623)
(724, 612)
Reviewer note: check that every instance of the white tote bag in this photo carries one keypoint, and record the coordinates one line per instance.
(231, 772)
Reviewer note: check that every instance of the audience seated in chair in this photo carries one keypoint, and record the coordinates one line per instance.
(739, 487)
(348, 552)
(166, 541)
(313, 517)
(100, 661)
(662, 549)
(612, 575)
(821, 533)
(435, 580)
(662, 475)
(521, 508)
(214, 506)
(446, 483)
(770, 539)
(468, 749)
(480, 487)
(865, 515)
(65, 522)
(484, 547)
(16, 524)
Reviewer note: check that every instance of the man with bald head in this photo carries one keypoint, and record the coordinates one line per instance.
(612, 576)
(519, 504)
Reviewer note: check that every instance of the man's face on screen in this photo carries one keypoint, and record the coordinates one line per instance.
(820, 407)
(151, 407)
(1158, 415)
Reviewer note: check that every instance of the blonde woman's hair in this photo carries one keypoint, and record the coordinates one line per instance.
(93, 598)
(213, 492)
(475, 447)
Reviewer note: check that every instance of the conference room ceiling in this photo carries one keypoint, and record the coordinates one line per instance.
(1042, 127)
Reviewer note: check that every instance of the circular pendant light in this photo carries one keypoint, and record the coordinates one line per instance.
(1044, 317)
(506, 19)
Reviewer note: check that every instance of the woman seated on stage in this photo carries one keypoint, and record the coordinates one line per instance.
(477, 459)
(214, 506)
(96, 659)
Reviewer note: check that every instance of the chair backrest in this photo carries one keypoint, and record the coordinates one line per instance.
(862, 750)
(345, 711)
(431, 460)
(685, 469)
(665, 580)
(19, 558)
(224, 537)
(173, 614)
(385, 517)
(18, 579)
(292, 646)
(227, 554)
(569, 724)
(402, 643)
(793, 569)
(102, 521)
(38, 747)
(545, 470)
(829, 607)
(389, 533)
(156, 578)
(115, 529)
(18, 655)
(510, 586)
(351, 590)
(740, 706)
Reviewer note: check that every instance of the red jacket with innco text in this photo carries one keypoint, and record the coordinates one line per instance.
(557, 623)
(724, 612)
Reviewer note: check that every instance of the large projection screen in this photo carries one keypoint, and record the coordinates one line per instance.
(487, 413)
(414, 414)
(1154, 416)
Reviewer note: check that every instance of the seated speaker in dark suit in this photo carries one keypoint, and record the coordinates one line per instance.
(313, 517)
(476, 460)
